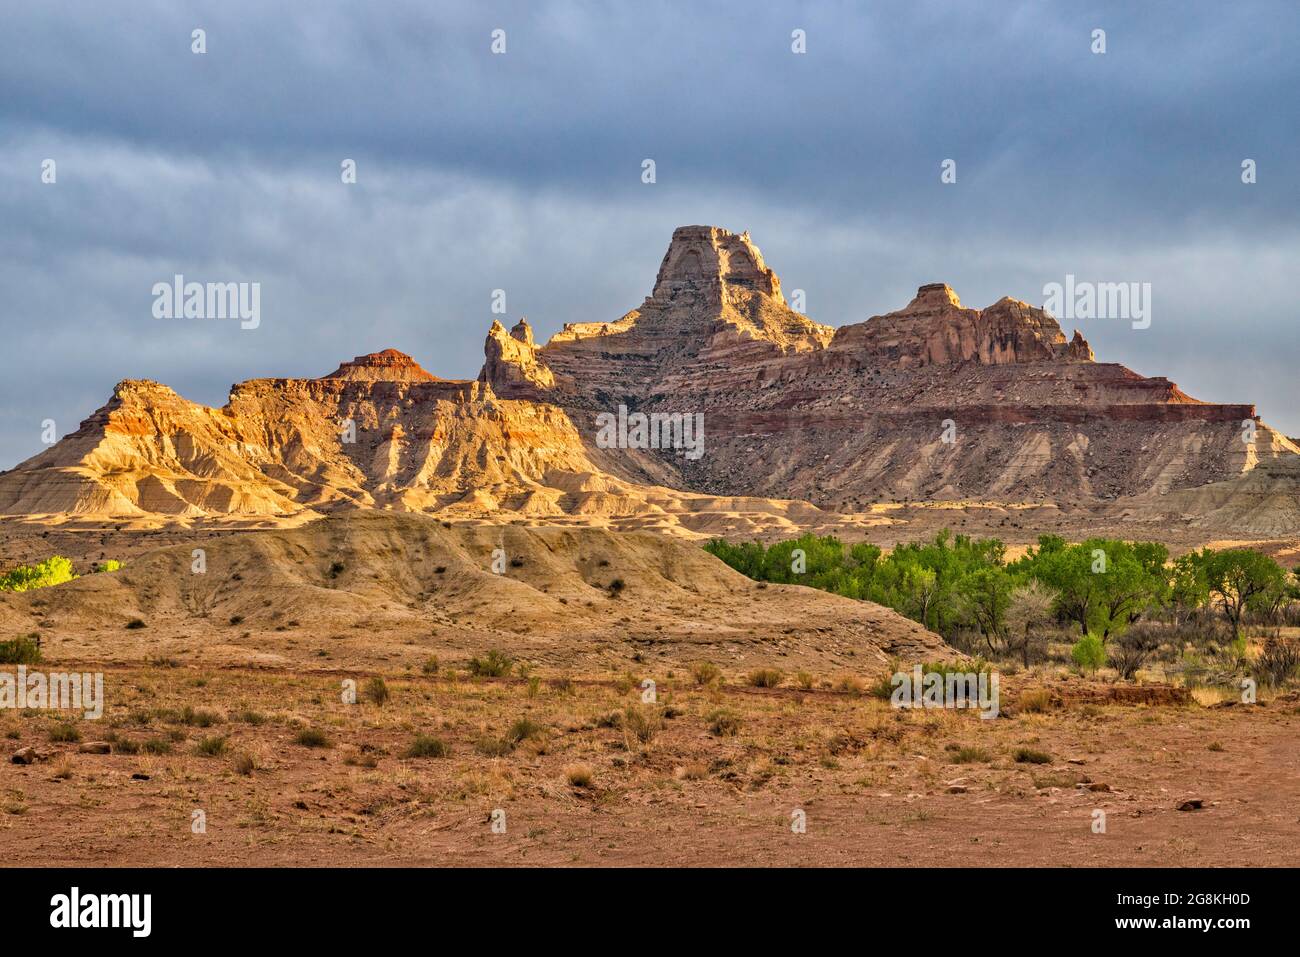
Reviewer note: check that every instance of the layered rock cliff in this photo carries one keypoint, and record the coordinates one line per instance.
(935, 401)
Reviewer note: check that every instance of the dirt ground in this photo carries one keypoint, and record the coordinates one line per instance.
(585, 784)
(567, 765)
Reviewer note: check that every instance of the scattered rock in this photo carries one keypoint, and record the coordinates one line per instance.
(95, 747)
(25, 756)
(957, 789)
(1193, 804)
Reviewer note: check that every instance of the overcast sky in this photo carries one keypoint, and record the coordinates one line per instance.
(523, 171)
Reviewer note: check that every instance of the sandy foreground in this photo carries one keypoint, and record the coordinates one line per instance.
(875, 785)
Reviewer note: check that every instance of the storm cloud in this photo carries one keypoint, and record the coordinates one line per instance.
(522, 171)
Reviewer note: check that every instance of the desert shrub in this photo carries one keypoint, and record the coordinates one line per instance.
(1130, 651)
(245, 764)
(23, 650)
(882, 688)
(1289, 614)
(842, 742)
(563, 685)
(197, 717)
(1030, 756)
(430, 666)
(970, 755)
(524, 729)
(1203, 630)
(65, 733)
(641, 723)
(156, 746)
(765, 678)
(1278, 660)
(53, 571)
(616, 587)
(694, 771)
(135, 623)
(579, 775)
(337, 569)
(1089, 653)
(723, 723)
(107, 565)
(495, 664)
(249, 716)
(804, 680)
(1036, 701)
(311, 738)
(211, 747)
(491, 747)
(376, 691)
(706, 673)
(427, 746)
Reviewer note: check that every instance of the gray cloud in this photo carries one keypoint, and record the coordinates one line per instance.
(522, 172)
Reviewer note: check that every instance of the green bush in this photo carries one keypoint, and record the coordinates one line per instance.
(53, 571)
(107, 565)
(957, 585)
(1088, 653)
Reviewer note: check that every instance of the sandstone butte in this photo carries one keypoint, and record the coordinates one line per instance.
(803, 423)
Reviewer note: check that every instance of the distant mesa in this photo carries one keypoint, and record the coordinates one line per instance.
(386, 366)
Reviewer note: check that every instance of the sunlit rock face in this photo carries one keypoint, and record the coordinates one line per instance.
(934, 401)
